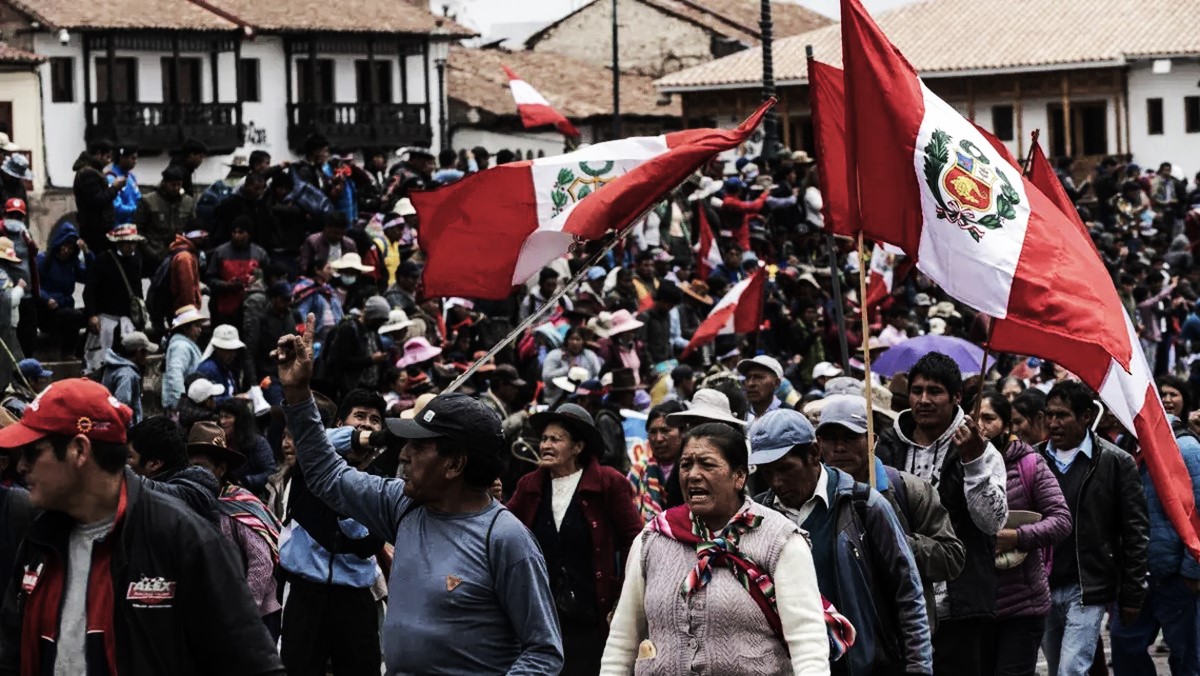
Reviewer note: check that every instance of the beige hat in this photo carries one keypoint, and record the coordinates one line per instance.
(418, 405)
(187, 314)
(8, 252)
(708, 405)
(404, 207)
(575, 376)
(397, 321)
(138, 341)
(351, 260)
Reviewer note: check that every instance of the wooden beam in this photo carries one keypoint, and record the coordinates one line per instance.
(1116, 101)
(1019, 114)
(785, 119)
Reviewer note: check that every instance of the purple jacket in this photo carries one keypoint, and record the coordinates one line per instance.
(1023, 591)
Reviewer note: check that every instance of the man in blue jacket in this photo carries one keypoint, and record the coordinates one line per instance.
(864, 564)
(1174, 582)
(468, 591)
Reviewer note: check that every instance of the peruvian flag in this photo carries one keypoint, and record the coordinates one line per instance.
(710, 253)
(535, 110)
(827, 99)
(933, 185)
(497, 228)
(888, 266)
(740, 310)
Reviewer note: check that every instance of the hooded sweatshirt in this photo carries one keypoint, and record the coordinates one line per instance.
(984, 494)
(123, 379)
(58, 278)
(184, 274)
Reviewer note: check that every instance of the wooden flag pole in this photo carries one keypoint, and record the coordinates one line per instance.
(866, 348)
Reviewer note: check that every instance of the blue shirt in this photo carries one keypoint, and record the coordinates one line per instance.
(1085, 448)
(301, 555)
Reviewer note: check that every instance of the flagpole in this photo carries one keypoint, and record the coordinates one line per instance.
(866, 348)
(550, 303)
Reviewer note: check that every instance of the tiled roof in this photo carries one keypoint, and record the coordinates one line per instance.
(127, 14)
(13, 55)
(375, 16)
(944, 37)
(576, 89)
(734, 19)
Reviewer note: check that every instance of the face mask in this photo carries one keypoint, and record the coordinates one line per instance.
(348, 280)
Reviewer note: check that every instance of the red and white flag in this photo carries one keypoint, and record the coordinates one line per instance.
(827, 99)
(740, 310)
(888, 266)
(706, 247)
(499, 227)
(535, 110)
(934, 186)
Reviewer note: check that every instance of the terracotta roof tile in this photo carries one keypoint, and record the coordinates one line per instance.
(377, 16)
(13, 55)
(128, 14)
(1016, 34)
(576, 89)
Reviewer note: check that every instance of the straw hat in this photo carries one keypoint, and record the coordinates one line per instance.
(8, 252)
(601, 325)
(188, 314)
(351, 260)
(708, 405)
(697, 289)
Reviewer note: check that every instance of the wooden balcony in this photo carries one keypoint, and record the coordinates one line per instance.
(159, 127)
(350, 126)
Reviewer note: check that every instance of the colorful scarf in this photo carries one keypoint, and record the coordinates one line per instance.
(721, 549)
(243, 506)
(649, 490)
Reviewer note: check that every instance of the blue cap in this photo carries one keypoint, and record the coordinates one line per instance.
(32, 368)
(741, 162)
(774, 434)
(595, 272)
(734, 184)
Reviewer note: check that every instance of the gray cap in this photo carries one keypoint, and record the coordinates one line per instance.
(846, 410)
(776, 433)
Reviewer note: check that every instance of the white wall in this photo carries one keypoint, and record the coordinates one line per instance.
(1174, 145)
(550, 142)
(266, 120)
(21, 89)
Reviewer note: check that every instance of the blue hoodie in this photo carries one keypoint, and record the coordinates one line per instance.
(58, 278)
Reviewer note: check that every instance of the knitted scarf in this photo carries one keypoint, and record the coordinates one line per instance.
(721, 549)
(244, 506)
(649, 484)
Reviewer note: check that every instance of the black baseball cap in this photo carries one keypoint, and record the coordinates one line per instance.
(451, 416)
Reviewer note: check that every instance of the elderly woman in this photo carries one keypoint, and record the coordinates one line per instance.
(1022, 589)
(583, 516)
(719, 585)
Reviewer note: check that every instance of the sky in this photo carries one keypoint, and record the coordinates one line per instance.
(505, 18)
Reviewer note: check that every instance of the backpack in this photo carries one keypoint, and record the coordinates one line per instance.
(210, 199)
(310, 199)
(159, 299)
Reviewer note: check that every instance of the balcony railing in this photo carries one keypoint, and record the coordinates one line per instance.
(356, 125)
(165, 126)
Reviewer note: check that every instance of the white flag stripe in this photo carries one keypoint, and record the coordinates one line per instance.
(978, 273)
(524, 94)
(1124, 393)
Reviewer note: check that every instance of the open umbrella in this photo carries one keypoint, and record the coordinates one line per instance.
(901, 358)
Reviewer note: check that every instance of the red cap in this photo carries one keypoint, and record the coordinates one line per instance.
(16, 204)
(70, 407)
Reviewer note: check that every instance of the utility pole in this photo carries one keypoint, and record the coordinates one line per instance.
(616, 76)
(771, 119)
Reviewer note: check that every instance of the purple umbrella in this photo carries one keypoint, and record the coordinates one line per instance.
(901, 358)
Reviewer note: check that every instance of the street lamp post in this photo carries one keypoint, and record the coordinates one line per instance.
(616, 76)
(771, 119)
(439, 49)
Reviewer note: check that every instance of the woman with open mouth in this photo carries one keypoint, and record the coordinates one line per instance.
(720, 584)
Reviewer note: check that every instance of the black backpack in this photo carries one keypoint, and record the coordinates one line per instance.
(159, 299)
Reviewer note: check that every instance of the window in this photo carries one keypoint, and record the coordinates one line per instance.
(62, 79)
(124, 80)
(314, 86)
(190, 83)
(383, 81)
(1154, 117)
(248, 82)
(1002, 122)
(1191, 114)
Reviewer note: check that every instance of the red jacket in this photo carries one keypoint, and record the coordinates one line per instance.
(184, 274)
(606, 498)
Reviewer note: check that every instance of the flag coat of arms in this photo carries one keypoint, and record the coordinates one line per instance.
(933, 185)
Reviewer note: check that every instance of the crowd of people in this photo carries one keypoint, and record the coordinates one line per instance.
(263, 470)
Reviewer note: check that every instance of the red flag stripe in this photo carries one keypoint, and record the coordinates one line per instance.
(827, 93)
